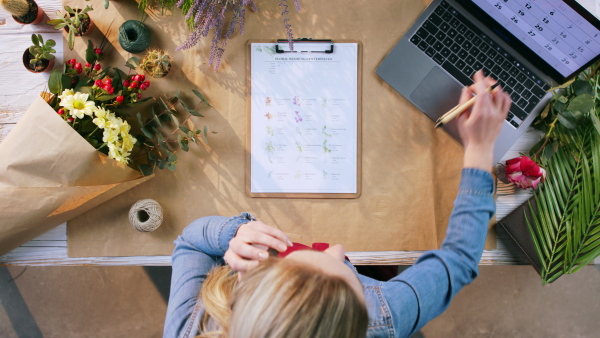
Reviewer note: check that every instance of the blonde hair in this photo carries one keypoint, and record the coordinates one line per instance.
(281, 298)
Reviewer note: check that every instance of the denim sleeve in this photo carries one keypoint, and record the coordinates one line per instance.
(200, 247)
(424, 291)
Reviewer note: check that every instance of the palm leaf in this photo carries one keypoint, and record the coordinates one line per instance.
(565, 223)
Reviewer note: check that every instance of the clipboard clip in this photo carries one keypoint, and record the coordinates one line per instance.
(306, 45)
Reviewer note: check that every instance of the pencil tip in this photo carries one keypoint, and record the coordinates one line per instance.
(439, 124)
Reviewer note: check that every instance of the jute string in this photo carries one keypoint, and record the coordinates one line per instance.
(145, 215)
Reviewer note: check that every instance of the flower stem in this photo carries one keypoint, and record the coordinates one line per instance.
(547, 136)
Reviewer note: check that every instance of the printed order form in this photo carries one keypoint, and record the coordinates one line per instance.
(304, 111)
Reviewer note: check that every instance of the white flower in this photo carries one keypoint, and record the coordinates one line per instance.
(65, 93)
(78, 105)
(110, 136)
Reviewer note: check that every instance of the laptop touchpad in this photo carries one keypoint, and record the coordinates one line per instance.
(437, 94)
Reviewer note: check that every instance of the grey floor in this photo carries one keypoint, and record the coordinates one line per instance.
(505, 301)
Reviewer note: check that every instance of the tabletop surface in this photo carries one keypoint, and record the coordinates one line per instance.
(19, 88)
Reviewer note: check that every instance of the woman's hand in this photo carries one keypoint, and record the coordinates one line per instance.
(479, 127)
(250, 245)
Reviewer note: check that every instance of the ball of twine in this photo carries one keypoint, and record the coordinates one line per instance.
(145, 215)
(134, 36)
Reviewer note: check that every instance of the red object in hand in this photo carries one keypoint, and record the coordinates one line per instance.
(524, 172)
(119, 99)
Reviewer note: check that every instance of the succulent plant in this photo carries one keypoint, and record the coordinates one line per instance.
(40, 50)
(17, 8)
(156, 63)
(72, 19)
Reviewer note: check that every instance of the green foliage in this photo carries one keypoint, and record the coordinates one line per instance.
(565, 223)
(163, 133)
(41, 50)
(72, 19)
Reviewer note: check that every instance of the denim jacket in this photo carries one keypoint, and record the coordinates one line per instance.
(397, 308)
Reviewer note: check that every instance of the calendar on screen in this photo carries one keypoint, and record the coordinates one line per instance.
(550, 28)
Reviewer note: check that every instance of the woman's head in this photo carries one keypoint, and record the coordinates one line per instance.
(292, 298)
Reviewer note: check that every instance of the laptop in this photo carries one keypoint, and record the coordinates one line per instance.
(528, 46)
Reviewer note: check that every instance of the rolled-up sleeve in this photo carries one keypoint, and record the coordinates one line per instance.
(424, 291)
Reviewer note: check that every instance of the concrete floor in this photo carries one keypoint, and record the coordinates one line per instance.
(505, 301)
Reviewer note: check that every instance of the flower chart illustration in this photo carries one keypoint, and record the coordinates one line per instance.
(325, 148)
(324, 102)
(299, 146)
(270, 131)
(270, 150)
(324, 131)
(269, 116)
(268, 101)
(297, 101)
(298, 117)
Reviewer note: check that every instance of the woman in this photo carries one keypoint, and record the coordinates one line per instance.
(319, 294)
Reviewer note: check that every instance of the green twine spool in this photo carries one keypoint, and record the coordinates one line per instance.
(134, 36)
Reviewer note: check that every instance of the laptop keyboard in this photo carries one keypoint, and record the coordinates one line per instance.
(461, 49)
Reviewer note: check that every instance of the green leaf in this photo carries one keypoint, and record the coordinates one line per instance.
(172, 158)
(162, 164)
(582, 87)
(582, 103)
(183, 142)
(156, 119)
(201, 97)
(55, 82)
(147, 133)
(171, 166)
(106, 97)
(559, 107)
(51, 43)
(35, 39)
(146, 169)
(105, 4)
(90, 56)
(184, 129)
(567, 119)
(185, 106)
(71, 39)
(175, 120)
(132, 63)
(205, 135)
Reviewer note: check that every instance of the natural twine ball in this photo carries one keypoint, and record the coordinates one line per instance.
(134, 36)
(145, 215)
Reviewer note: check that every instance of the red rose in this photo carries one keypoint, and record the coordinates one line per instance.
(524, 172)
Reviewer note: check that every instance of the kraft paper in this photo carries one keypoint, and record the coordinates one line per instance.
(50, 174)
(410, 171)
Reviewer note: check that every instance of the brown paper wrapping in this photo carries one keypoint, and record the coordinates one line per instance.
(50, 174)
(410, 171)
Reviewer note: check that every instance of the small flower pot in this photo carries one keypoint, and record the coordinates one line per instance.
(38, 67)
(86, 27)
(35, 15)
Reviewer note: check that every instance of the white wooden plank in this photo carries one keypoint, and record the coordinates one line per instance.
(4, 130)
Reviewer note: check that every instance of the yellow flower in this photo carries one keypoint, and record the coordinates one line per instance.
(110, 136)
(101, 119)
(127, 142)
(78, 105)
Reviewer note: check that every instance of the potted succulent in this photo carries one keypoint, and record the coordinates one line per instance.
(76, 22)
(156, 63)
(38, 57)
(23, 11)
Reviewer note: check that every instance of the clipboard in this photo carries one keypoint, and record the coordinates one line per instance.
(328, 161)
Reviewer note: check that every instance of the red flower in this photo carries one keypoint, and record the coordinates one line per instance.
(524, 172)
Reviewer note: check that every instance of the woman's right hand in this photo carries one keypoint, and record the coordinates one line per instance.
(250, 245)
(479, 126)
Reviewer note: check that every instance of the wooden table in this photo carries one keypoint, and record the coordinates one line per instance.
(18, 88)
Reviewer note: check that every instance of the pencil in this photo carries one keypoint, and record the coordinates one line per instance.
(459, 109)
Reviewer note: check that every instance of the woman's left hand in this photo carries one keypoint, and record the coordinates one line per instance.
(250, 245)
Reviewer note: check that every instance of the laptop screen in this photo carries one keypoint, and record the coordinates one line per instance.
(562, 33)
